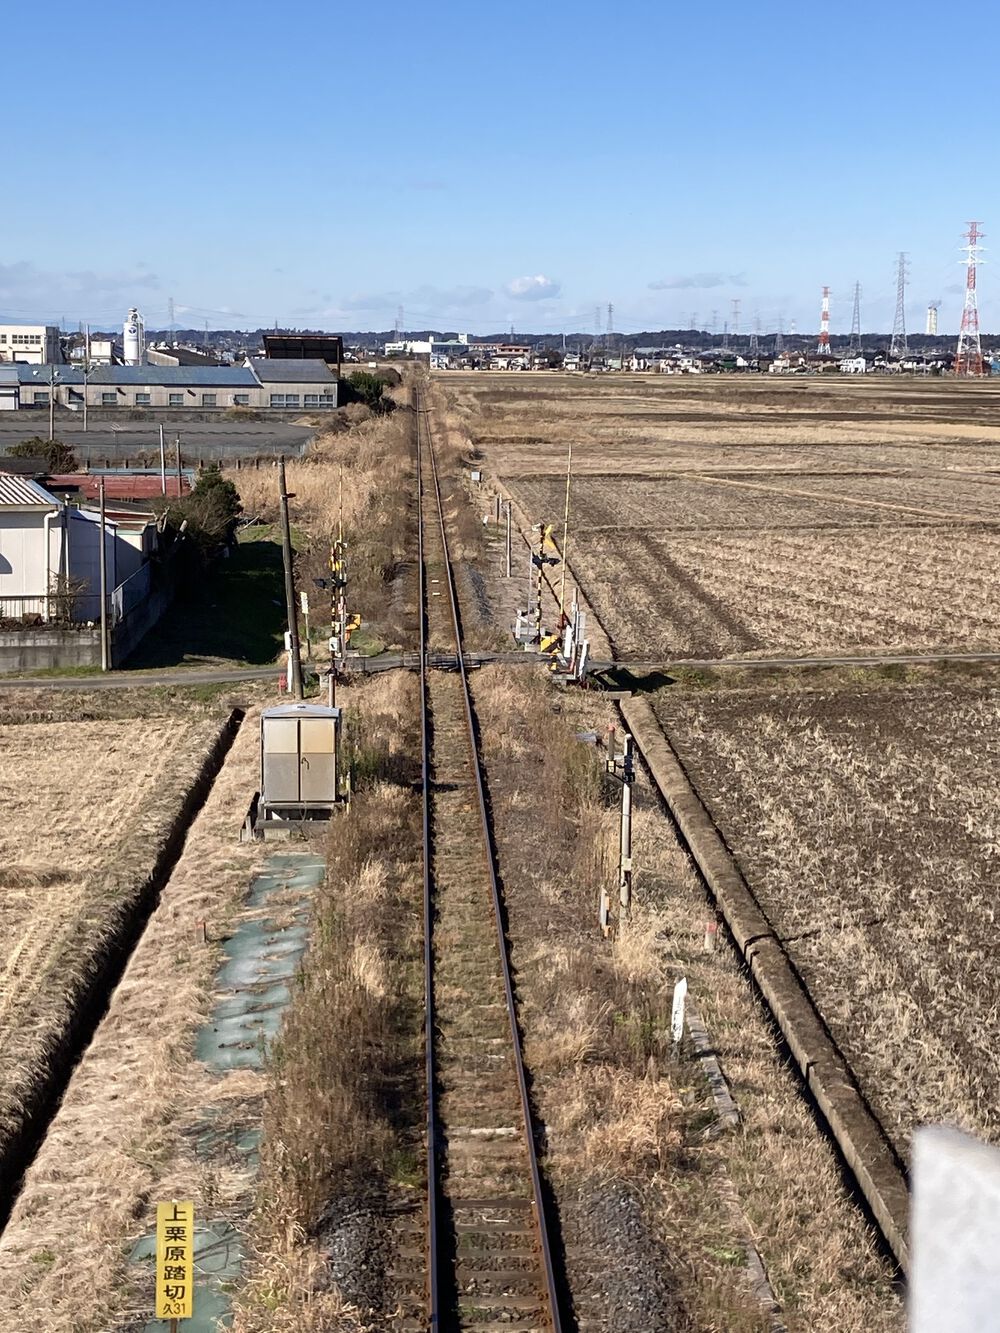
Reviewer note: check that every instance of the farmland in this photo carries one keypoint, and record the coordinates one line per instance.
(764, 519)
(868, 822)
(88, 803)
(808, 519)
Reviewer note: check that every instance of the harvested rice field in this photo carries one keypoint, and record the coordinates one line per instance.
(88, 805)
(867, 822)
(713, 518)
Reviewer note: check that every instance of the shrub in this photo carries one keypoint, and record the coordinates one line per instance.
(58, 457)
(209, 514)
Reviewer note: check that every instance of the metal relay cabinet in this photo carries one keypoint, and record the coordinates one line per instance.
(299, 754)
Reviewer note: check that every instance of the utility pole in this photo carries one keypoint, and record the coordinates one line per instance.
(103, 583)
(507, 565)
(622, 769)
(565, 540)
(294, 659)
(163, 465)
(52, 402)
(177, 447)
(625, 829)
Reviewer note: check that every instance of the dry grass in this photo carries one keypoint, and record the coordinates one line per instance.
(123, 1135)
(616, 1108)
(348, 1055)
(867, 823)
(594, 1014)
(374, 459)
(819, 1255)
(88, 807)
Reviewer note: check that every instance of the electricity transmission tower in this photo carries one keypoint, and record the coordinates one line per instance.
(898, 348)
(969, 357)
(779, 337)
(611, 326)
(856, 320)
(736, 321)
(755, 337)
(823, 346)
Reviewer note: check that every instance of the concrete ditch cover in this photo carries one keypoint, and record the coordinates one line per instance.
(252, 987)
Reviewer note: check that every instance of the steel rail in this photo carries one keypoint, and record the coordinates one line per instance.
(433, 1283)
(541, 1221)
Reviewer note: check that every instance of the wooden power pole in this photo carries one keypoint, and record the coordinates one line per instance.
(294, 657)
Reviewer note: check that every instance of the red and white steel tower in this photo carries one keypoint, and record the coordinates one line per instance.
(823, 346)
(969, 357)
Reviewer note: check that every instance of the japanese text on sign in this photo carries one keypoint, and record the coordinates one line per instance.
(174, 1260)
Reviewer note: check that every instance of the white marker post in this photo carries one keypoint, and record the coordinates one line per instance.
(677, 1014)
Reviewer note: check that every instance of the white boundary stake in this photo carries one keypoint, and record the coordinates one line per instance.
(677, 1013)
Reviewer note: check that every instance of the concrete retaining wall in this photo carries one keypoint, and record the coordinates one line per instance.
(38, 650)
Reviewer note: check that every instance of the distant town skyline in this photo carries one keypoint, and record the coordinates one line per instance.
(478, 172)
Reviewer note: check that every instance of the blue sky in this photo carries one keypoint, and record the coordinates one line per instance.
(320, 164)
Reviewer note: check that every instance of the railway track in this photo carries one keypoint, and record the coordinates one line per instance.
(488, 1261)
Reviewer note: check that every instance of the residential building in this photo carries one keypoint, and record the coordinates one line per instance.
(50, 554)
(854, 365)
(34, 344)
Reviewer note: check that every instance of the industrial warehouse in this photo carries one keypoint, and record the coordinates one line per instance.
(258, 384)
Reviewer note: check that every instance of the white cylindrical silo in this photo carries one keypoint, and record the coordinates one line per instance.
(134, 339)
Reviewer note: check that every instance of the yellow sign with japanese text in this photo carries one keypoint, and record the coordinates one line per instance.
(174, 1260)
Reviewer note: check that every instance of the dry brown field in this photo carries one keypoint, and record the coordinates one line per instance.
(723, 517)
(868, 824)
(87, 805)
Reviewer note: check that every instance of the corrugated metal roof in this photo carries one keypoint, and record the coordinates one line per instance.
(123, 486)
(225, 377)
(291, 372)
(40, 374)
(22, 492)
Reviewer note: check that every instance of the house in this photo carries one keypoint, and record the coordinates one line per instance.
(50, 555)
(854, 365)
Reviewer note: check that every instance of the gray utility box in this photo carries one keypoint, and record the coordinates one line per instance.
(299, 752)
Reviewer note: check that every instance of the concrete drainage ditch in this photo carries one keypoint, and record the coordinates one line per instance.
(253, 987)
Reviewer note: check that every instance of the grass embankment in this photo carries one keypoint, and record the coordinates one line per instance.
(344, 1100)
(623, 1120)
(374, 459)
(235, 615)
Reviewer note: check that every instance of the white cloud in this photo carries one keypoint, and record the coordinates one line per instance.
(532, 288)
(28, 290)
(698, 281)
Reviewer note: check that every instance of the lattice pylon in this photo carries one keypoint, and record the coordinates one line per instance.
(969, 355)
